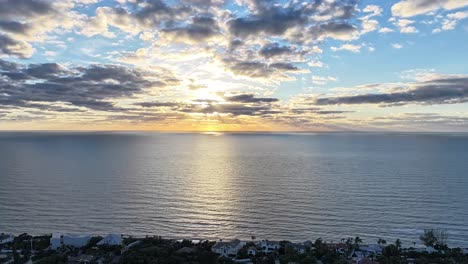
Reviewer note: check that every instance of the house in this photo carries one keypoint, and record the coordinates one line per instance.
(111, 240)
(309, 244)
(269, 246)
(340, 248)
(300, 248)
(227, 249)
(375, 250)
(252, 251)
(58, 240)
(4, 238)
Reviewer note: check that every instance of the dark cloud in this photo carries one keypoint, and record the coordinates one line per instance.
(249, 98)
(10, 46)
(316, 110)
(233, 109)
(235, 43)
(91, 87)
(336, 30)
(200, 28)
(156, 12)
(275, 18)
(257, 69)
(274, 49)
(24, 8)
(438, 91)
(14, 27)
(157, 104)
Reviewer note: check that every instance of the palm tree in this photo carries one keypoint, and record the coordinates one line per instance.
(357, 241)
(381, 242)
(398, 244)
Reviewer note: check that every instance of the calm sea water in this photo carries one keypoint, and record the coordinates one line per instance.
(275, 186)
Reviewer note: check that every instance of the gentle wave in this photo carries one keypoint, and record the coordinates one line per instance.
(274, 186)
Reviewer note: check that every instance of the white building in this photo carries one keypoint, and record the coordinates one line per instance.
(111, 240)
(58, 240)
(228, 249)
(269, 246)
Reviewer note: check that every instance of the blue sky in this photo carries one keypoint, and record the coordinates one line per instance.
(234, 65)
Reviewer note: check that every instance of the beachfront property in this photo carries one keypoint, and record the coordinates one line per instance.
(252, 251)
(267, 246)
(372, 249)
(111, 240)
(227, 249)
(58, 240)
(300, 248)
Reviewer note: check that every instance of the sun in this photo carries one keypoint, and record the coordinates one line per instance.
(206, 95)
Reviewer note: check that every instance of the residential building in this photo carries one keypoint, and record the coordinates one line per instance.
(111, 240)
(267, 246)
(228, 249)
(58, 240)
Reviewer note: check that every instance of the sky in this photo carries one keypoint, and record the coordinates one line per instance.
(234, 65)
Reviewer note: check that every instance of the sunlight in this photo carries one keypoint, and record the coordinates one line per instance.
(207, 95)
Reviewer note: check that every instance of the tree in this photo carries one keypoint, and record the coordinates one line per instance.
(433, 238)
(357, 241)
(381, 242)
(398, 244)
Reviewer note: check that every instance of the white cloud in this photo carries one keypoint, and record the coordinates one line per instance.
(385, 30)
(321, 80)
(409, 8)
(451, 21)
(375, 10)
(405, 25)
(349, 47)
(317, 64)
(397, 45)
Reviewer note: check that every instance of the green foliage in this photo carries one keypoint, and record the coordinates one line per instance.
(434, 238)
(391, 251)
(156, 250)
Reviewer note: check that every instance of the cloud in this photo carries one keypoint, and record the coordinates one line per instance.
(334, 30)
(249, 98)
(201, 28)
(405, 26)
(409, 8)
(156, 104)
(258, 69)
(232, 109)
(93, 87)
(385, 30)
(397, 46)
(11, 47)
(321, 80)
(24, 22)
(274, 49)
(451, 21)
(349, 47)
(442, 90)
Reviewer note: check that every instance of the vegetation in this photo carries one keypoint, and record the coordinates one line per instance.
(164, 251)
(436, 238)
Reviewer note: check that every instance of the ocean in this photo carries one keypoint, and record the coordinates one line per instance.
(236, 185)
